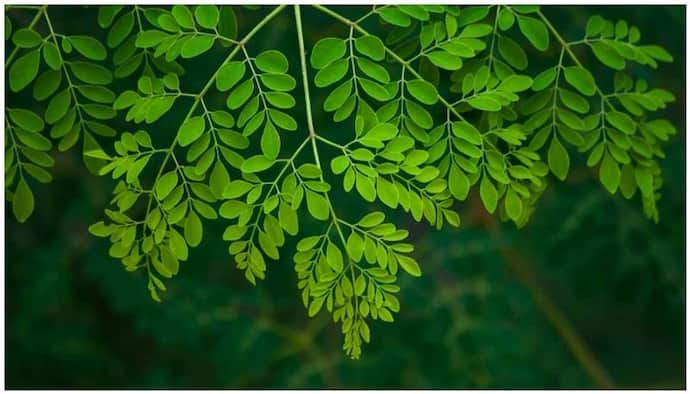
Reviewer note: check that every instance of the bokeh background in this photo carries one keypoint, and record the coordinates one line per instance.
(588, 294)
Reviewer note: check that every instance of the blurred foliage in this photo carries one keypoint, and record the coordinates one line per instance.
(76, 319)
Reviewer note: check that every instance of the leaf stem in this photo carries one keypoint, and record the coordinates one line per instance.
(305, 76)
(312, 134)
(557, 318)
(15, 147)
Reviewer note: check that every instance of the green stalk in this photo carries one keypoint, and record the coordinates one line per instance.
(305, 76)
(312, 133)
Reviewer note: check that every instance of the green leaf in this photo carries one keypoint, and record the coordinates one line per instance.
(196, 45)
(370, 46)
(657, 53)
(227, 26)
(382, 132)
(506, 19)
(621, 121)
(207, 16)
(278, 82)
(339, 164)
(236, 189)
(332, 73)
(394, 16)
(445, 60)
(270, 141)
(229, 74)
(644, 180)
(317, 205)
(387, 192)
(315, 306)
(326, 51)
(58, 106)
(365, 187)
(218, 179)
(193, 229)
(282, 120)
(608, 55)
(372, 219)
(150, 38)
(609, 173)
(23, 201)
(595, 24)
(98, 94)
(106, 14)
(558, 158)
(26, 38)
(628, 184)
(574, 101)
(240, 94)
(513, 204)
(280, 100)
(476, 31)
(484, 103)
(423, 91)
(166, 184)
(334, 257)
(309, 171)
(409, 265)
(179, 248)
(100, 229)
(89, 47)
(516, 83)
(91, 73)
(458, 183)
(256, 163)
(288, 219)
(46, 84)
(373, 70)
(374, 90)
(415, 11)
(183, 16)
(24, 70)
(580, 79)
(466, 131)
(512, 52)
(488, 194)
(34, 140)
(535, 31)
(26, 119)
(544, 79)
(51, 55)
(272, 62)
(191, 130)
(338, 96)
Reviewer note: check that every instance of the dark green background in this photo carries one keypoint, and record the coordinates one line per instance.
(75, 318)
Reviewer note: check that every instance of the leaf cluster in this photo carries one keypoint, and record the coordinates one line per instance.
(438, 100)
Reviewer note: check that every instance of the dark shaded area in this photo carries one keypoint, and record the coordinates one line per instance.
(76, 319)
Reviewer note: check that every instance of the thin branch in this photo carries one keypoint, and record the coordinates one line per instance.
(305, 76)
(565, 329)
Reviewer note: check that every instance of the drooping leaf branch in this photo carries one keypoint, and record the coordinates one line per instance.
(436, 101)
